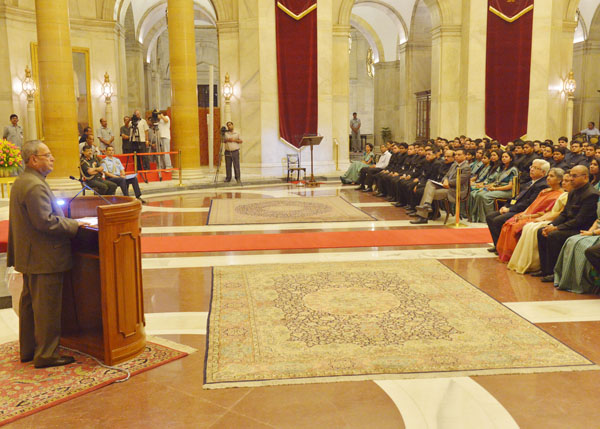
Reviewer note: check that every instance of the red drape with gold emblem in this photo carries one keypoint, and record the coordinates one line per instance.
(296, 33)
(508, 63)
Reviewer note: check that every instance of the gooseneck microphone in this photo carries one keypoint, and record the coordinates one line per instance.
(85, 186)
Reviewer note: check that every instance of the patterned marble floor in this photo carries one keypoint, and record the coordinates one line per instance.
(177, 294)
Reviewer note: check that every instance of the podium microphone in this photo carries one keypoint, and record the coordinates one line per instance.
(85, 186)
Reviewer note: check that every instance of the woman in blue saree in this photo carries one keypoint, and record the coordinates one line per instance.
(352, 174)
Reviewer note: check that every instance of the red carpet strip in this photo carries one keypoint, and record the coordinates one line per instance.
(314, 240)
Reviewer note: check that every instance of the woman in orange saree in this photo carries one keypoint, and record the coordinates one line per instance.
(511, 230)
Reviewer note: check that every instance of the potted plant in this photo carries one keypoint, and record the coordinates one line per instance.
(10, 158)
(386, 134)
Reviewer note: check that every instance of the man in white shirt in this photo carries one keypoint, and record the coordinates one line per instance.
(383, 162)
(14, 133)
(89, 142)
(115, 172)
(591, 131)
(164, 131)
(105, 135)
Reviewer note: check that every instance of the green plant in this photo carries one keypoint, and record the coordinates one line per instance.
(386, 134)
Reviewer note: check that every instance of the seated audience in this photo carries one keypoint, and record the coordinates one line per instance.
(382, 162)
(525, 257)
(579, 214)
(575, 156)
(92, 170)
(559, 158)
(573, 268)
(511, 230)
(496, 219)
(447, 189)
(590, 154)
(482, 172)
(90, 142)
(115, 172)
(482, 200)
(352, 173)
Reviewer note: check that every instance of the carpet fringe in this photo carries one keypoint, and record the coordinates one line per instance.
(345, 378)
(171, 344)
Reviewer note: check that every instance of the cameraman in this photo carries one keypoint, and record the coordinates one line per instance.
(164, 131)
(138, 138)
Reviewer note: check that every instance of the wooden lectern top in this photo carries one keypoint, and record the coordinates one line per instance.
(310, 141)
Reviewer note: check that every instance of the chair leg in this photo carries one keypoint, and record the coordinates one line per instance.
(447, 208)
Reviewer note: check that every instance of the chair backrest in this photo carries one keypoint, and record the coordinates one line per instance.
(293, 160)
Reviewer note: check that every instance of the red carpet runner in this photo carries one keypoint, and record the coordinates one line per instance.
(314, 240)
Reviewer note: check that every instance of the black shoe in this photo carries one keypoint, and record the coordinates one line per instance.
(380, 195)
(398, 204)
(367, 190)
(391, 199)
(414, 214)
(227, 180)
(26, 359)
(410, 211)
(59, 361)
(419, 221)
(426, 207)
(141, 200)
(537, 274)
(492, 249)
(360, 188)
(548, 279)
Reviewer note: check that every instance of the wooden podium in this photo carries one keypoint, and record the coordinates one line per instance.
(103, 306)
(311, 141)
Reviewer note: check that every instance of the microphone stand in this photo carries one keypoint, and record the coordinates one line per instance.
(84, 186)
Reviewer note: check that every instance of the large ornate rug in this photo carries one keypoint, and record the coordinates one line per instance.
(304, 323)
(283, 210)
(25, 390)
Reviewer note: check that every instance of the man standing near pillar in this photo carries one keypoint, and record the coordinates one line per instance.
(105, 135)
(232, 153)
(39, 246)
(125, 131)
(14, 133)
(164, 131)
(139, 139)
(355, 127)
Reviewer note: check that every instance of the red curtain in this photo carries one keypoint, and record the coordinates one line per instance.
(296, 33)
(508, 63)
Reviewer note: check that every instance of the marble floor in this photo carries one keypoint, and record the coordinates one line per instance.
(176, 299)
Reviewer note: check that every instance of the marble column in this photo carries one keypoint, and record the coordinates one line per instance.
(184, 92)
(341, 94)
(55, 64)
(551, 61)
(586, 57)
(445, 80)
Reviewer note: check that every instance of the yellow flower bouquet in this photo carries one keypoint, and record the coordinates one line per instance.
(10, 158)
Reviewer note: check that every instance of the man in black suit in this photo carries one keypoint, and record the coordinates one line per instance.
(538, 171)
(578, 215)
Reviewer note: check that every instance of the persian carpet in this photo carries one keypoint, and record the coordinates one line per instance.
(307, 323)
(315, 240)
(25, 390)
(283, 210)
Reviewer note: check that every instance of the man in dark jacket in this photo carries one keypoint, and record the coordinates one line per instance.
(578, 215)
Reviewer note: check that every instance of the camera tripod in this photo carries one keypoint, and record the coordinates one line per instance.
(135, 139)
(156, 142)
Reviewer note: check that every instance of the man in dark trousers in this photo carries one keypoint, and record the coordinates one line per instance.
(495, 220)
(578, 215)
(39, 246)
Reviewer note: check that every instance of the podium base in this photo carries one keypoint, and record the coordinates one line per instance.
(312, 184)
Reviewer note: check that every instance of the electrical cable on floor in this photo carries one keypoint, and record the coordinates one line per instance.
(127, 373)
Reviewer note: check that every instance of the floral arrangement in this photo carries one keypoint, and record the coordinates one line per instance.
(10, 158)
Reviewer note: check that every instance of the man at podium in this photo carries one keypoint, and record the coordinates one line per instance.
(39, 246)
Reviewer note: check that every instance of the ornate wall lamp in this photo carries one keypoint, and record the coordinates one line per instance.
(569, 87)
(107, 93)
(30, 88)
(227, 94)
